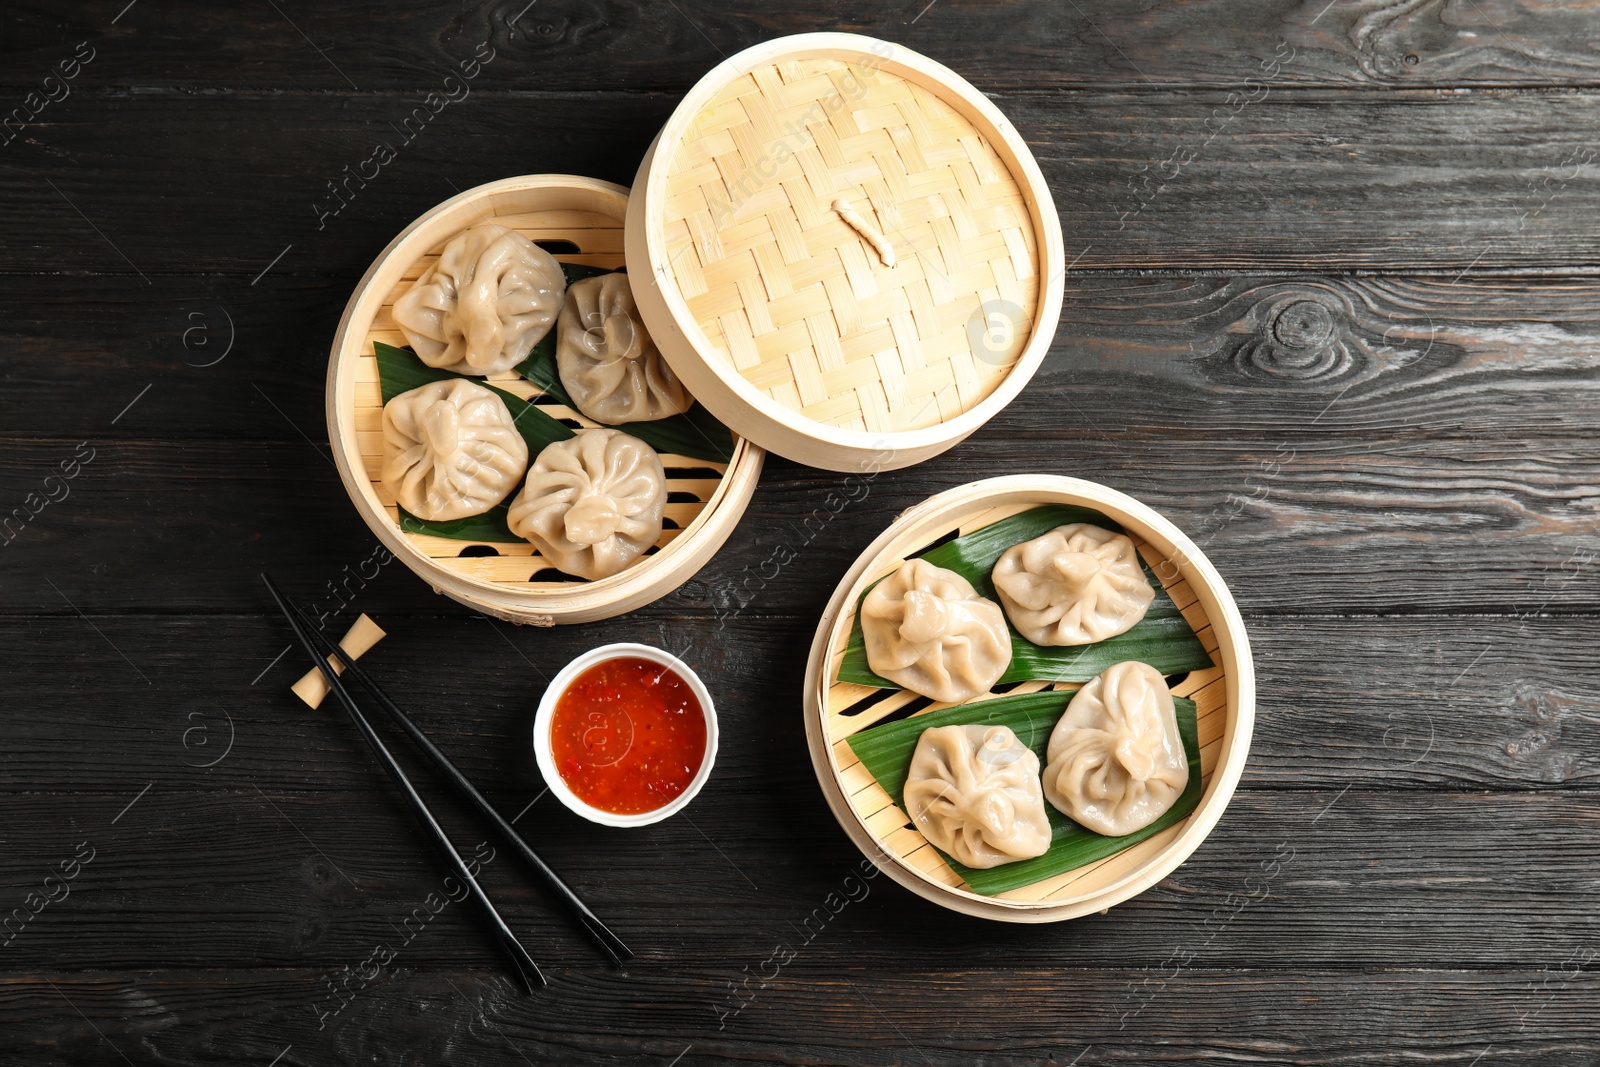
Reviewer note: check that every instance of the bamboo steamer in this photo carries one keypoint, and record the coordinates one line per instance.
(1224, 697)
(855, 260)
(706, 499)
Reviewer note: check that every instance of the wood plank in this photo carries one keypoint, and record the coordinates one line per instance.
(1335, 298)
(1494, 181)
(1324, 519)
(1098, 43)
(938, 1016)
(1312, 359)
(1498, 703)
(1290, 881)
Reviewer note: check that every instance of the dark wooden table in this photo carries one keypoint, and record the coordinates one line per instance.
(1334, 309)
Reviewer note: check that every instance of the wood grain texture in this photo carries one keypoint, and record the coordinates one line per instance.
(1332, 310)
(1503, 703)
(1284, 359)
(1337, 525)
(1420, 358)
(209, 878)
(1053, 1015)
(1492, 181)
(609, 45)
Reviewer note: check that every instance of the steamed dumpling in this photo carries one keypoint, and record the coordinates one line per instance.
(610, 366)
(927, 630)
(1075, 585)
(1115, 762)
(482, 307)
(593, 503)
(450, 450)
(974, 792)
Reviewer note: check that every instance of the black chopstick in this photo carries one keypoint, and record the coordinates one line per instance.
(591, 924)
(526, 969)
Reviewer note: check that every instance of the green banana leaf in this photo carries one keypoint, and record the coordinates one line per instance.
(492, 525)
(399, 371)
(1163, 638)
(695, 433)
(886, 752)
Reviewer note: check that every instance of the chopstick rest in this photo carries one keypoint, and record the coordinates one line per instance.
(357, 641)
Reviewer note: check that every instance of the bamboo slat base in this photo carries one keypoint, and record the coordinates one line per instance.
(511, 580)
(1223, 694)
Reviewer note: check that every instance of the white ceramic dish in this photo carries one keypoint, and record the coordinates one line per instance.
(547, 707)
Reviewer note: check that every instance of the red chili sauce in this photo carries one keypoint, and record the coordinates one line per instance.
(628, 735)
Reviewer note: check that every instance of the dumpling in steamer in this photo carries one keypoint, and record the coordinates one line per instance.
(1075, 585)
(974, 792)
(1115, 762)
(482, 307)
(926, 629)
(610, 366)
(450, 450)
(592, 504)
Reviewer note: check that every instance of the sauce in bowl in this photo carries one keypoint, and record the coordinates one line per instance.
(628, 735)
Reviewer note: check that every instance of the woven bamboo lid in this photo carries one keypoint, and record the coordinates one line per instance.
(855, 259)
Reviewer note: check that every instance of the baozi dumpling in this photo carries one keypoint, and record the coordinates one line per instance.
(593, 503)
(1115, 762)
(1075, 585)
(927, 630)
(974, 792)
(450, 450)
(610, 366)
(482, 307)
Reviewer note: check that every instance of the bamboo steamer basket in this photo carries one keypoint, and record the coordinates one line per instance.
(791, 323)
(705, 499)
(1224, 697)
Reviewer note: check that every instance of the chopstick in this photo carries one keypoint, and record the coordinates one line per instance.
(523, 963)
(609, 942)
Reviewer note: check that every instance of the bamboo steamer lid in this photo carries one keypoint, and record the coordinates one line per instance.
(854, 259)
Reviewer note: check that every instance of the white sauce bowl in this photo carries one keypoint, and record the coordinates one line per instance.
(546, 713)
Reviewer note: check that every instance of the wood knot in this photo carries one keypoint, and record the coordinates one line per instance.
(1303, 324)
(1539, 752)
(1318, 337)
(1300, 339)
